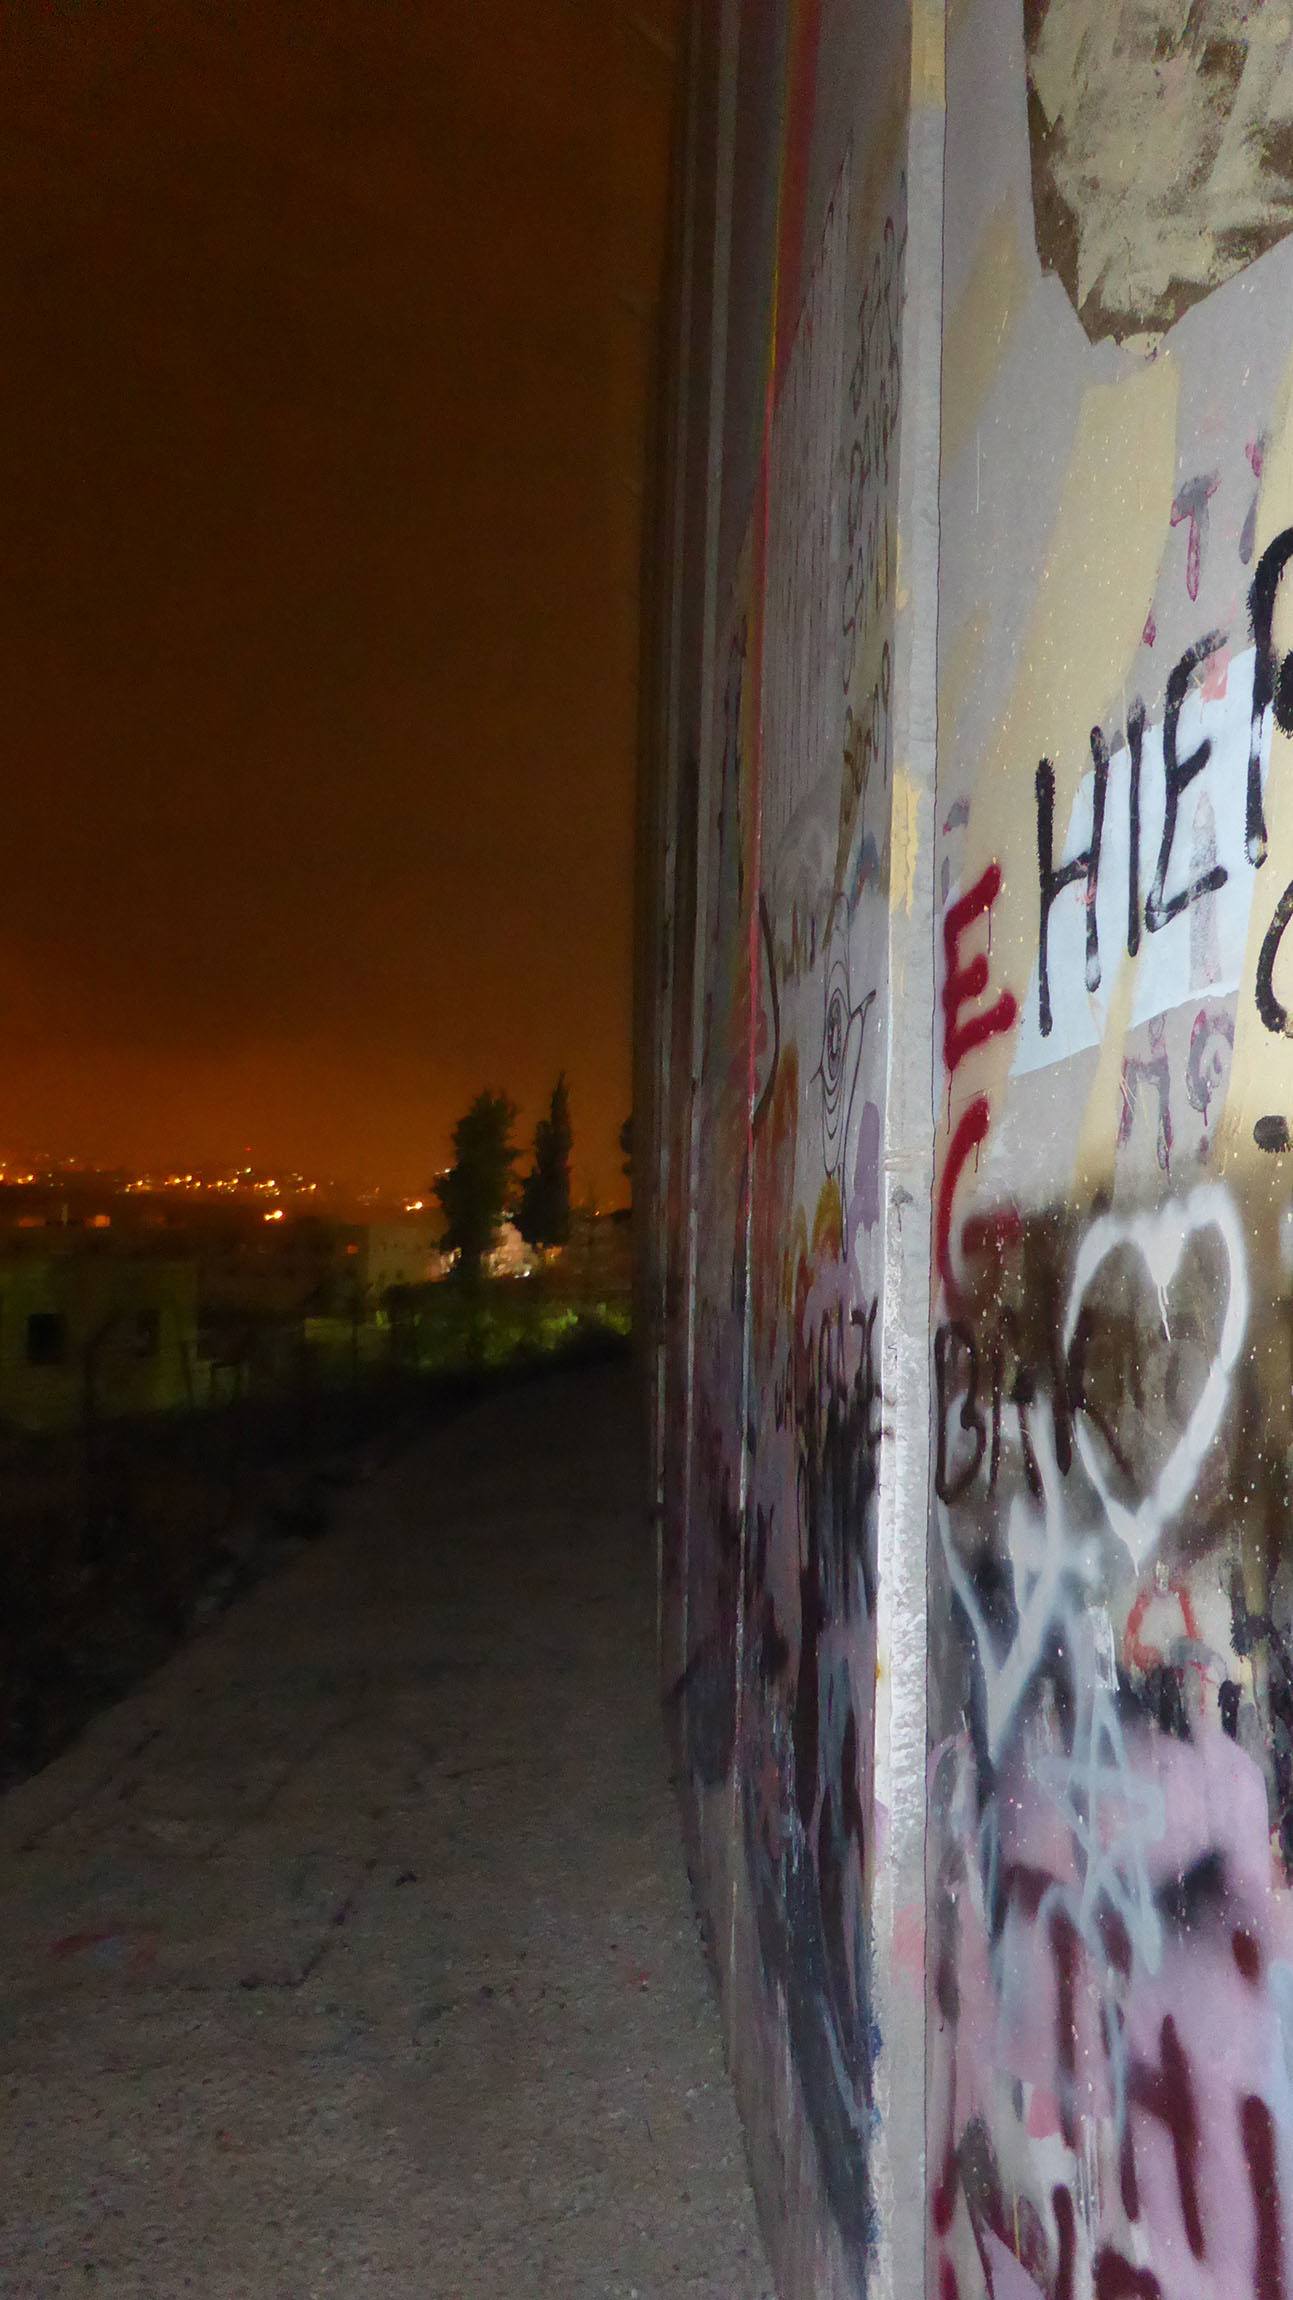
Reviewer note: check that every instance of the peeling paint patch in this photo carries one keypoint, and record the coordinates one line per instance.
(1161, 143)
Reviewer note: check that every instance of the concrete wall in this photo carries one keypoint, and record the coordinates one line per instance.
(966, 1061)
(784, 768)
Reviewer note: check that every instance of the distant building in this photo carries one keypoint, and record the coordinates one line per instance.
(512, 1256)
(94, 1336)
(400, 1253)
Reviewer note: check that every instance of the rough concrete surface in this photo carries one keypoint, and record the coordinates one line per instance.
(354, 1952)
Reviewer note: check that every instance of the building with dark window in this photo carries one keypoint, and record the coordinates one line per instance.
(88, 1335)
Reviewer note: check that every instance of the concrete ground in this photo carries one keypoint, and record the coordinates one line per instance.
(354, 1952)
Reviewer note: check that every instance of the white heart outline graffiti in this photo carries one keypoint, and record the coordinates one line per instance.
(1160, 1238)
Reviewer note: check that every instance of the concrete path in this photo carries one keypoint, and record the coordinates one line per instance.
(354, 1953)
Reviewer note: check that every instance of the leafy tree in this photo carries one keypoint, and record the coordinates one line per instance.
(475, 1193)
(543, 1217)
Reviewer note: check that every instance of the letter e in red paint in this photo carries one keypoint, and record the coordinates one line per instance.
(961, 984)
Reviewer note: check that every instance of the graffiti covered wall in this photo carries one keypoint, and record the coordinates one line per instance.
(971, 1250)
(782, 856)
(1111, 1992)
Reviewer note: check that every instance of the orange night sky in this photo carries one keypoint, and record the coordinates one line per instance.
(326, 331)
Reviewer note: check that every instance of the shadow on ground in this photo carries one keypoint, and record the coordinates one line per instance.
(354, 1950)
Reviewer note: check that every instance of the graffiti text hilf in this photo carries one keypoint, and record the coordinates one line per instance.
(1178, 881)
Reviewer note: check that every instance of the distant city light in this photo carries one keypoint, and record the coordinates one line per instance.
(234, 1186)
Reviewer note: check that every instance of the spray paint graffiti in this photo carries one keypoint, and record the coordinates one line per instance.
(783, 1693)
(1109, 1689)
(1143, 1075)
(1214, 895)
(808, 1794)
(964, 981)
(1106, 1834)
(837, 1071)
(1111, 1922)
(1159, 1241)
(1112, 2085)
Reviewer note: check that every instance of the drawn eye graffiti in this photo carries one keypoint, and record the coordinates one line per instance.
(833, 1057)
(843, 1027)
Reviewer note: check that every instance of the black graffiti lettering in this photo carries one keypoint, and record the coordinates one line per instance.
(952, 1343)
(1053, 881)
(1272, 694)
(1023, 1395)
(1178, 774)
(1135, 747)
(1274, 1014)
(1272, 682)
(1273, 1134)
(1015, 1385)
